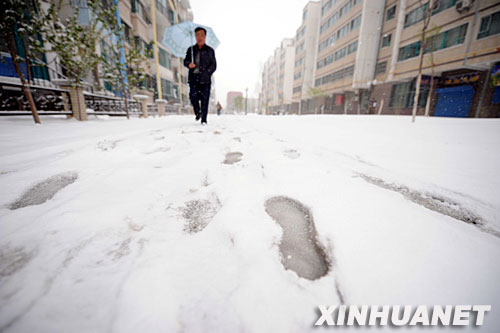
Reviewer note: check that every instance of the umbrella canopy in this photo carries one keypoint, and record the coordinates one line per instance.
(179, 37)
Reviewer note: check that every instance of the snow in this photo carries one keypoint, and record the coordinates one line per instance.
(122, 246)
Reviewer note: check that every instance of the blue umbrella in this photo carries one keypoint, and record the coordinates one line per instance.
(179, 37)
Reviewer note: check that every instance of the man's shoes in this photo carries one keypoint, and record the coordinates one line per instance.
(204, 123)
(198, 116)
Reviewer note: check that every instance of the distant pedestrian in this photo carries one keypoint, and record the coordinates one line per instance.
(219, 108)
(201, 67)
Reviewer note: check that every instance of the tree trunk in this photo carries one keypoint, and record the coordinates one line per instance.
(126, 106)
(419, 77)
(26, 88)
(429, 98)
(125, 95)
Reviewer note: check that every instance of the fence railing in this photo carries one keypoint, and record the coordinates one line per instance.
(152, 108)
(107, 105)
(48, 100)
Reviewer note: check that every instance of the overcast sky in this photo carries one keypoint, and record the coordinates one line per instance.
(249, 31)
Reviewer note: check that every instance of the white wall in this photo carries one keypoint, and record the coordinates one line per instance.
(368, 43)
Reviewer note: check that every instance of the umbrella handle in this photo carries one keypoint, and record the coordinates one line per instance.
(192, 53)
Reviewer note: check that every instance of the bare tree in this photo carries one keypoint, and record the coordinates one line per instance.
(427, 13)
(432, 34)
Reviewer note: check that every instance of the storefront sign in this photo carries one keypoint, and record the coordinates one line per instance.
(461, 79)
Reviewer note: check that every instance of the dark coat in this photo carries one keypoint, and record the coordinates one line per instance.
(207, 65)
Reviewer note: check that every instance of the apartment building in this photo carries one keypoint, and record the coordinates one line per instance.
(146, 24)
(277, 79)
(267, 89)
(347, 54)
(306, 40)
(230, 98)
(367, 59)
(462, 56)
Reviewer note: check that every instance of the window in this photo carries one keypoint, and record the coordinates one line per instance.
(304, 15)
(126, 32)
(391, 12)
(329, 59)
(409, 51)
(143, 47)
(355, 22)
(297, 76)
(403, 95)
(490, 25)
(171, 16)
(345, 8)
(353, 47)
(343, 31)
(415, 15)
(340, 54)
(330, 40)
(447, 39)
(166, 87)
(138, 8)
(164, 58)
(386, 40)
(381, 67)
(400, 94)
(335, 76)
(442, 5)
(327, 6)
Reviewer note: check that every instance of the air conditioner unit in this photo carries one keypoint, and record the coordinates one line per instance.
(462, 5)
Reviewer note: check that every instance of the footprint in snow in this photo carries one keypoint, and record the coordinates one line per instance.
(299, 247)
(44, 190)
(291, 153)
(198, 213)
(233, 157)
(107, 145)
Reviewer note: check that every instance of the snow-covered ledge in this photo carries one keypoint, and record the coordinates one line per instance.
(141, 97)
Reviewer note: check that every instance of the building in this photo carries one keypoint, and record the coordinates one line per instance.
(461, 55)
(347, 53)
(306, 41)
(144, 25)
(231, 96)
(277, 80)
(367, 55)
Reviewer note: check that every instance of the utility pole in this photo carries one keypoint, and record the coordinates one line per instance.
(246, 100)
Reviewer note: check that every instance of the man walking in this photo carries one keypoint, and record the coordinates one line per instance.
(201, 67)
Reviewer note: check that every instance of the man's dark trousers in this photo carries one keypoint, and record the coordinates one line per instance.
(200, 93)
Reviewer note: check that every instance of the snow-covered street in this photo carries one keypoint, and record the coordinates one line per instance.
(161, 225)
